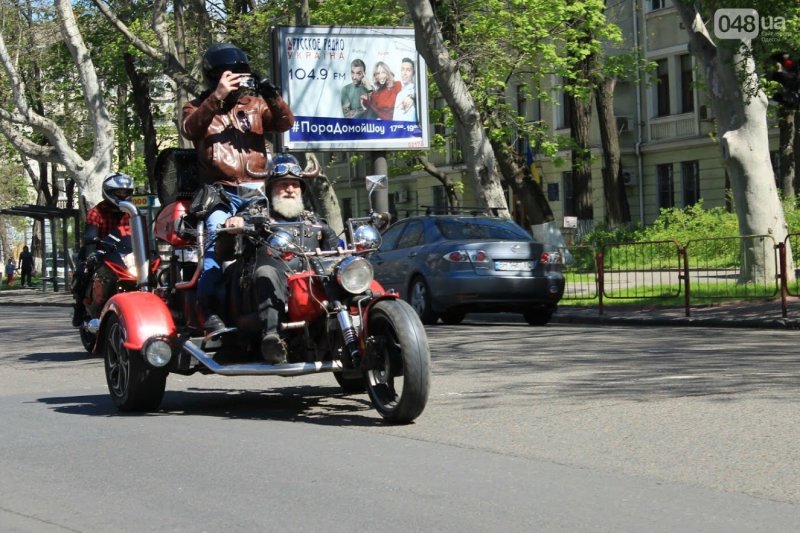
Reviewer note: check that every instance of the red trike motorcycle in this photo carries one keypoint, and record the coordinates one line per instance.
(340, 319)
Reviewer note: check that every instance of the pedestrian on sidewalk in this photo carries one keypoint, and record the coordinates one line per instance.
(11, 267)
(25, 266)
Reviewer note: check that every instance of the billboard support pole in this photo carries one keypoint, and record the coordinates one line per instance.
(381, 196)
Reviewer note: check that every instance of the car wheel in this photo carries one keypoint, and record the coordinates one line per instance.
(453, 318)
(539, 316)
(419, 297)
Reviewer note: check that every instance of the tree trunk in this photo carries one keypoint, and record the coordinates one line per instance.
(479, 159)
(788, 132)
(444, 179)
(741, 117)
(326, 203)
(617, 209)
(140, 87)
(526, 190)
(581, 118)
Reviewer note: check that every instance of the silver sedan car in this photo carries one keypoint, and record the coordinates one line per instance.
(446, 266)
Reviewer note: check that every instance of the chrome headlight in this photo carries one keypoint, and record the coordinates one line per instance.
(354, 274)
(281, 241)
(367, 237)
(157, 351)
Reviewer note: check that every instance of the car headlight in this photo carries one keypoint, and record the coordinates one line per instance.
(158, 352)
(354, 274)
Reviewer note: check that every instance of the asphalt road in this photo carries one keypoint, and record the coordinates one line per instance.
(561, 428)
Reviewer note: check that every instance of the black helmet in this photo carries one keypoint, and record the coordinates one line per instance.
(285, 166)
(117, 187)
(221, 57)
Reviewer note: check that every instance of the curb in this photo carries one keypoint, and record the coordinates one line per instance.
(768, 323)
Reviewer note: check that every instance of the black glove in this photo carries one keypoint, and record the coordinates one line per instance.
(92, 261)
(267, 89)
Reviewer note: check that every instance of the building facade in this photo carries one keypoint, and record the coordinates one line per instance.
(670, 157)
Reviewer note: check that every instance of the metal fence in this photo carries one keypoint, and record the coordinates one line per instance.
(749, 267)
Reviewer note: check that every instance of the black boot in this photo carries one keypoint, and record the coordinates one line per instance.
(273, 348)
(214, 325)
(77, 315)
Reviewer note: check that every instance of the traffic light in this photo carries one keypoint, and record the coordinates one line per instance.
(785, 71)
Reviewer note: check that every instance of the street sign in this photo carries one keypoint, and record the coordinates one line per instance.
(144, 200)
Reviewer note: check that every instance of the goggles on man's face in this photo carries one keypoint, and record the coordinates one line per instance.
(285, 169)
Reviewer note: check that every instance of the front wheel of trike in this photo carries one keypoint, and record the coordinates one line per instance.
(399, 382)
(134, 386)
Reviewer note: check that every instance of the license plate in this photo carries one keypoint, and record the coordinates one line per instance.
(513, 265)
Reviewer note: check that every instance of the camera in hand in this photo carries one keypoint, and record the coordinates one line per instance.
(248, 82)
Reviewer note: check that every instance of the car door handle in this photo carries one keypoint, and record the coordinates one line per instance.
(412, 254)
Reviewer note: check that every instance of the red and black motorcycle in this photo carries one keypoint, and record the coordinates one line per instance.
(340, 320)
(110, 270)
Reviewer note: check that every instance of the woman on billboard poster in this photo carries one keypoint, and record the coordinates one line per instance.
(381, 101)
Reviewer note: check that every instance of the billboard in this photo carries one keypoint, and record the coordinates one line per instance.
(352, 88)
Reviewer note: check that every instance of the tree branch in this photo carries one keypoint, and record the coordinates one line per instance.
(167, 57)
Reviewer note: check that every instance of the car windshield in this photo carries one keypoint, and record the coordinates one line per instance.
(474, 229)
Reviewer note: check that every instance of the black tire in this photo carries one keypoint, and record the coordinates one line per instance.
(133, 385)
(419, 298)
(453, 318)
(399, 386)
(350, 385)
(538, 317)
(87, 339)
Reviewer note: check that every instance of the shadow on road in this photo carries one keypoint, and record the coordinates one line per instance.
(326, 406)
(619, 363)
(59, 357)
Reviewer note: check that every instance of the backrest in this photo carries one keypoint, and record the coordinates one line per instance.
(176, 173)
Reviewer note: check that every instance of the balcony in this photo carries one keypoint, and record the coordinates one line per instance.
(673, 127)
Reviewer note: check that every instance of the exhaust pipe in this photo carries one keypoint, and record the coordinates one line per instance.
(140, 255)
(259, 369)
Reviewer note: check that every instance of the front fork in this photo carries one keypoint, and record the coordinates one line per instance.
(349, 333)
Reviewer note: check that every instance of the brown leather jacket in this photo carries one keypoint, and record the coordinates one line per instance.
(230, 140)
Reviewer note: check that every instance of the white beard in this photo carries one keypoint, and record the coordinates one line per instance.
(287, 207)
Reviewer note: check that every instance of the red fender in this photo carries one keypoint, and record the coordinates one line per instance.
(380, 294)
(142, 314)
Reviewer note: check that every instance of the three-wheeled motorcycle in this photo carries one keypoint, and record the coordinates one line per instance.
(340, 320)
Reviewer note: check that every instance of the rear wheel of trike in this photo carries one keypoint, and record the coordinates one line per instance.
(398, 385)
(134, 386)
(87, 339)
(350, 384)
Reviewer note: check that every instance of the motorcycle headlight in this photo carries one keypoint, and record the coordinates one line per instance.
(130, 263)
(367, 237)
(281, 241)
(157, 351)
(354, 274)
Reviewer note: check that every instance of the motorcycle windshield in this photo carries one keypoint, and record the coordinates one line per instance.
(251, 191)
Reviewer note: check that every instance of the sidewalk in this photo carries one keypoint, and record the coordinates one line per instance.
(744, 314)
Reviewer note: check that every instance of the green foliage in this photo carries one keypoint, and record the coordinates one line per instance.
(693, 222)
(712, 236)
(137, 169)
